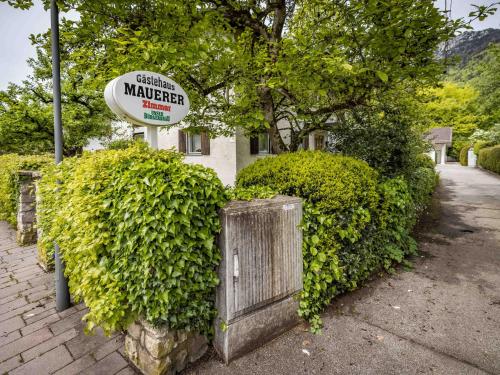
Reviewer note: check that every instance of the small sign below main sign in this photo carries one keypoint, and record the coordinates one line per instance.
(147, 99)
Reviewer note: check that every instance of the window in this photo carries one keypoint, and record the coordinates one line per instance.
(264, 144)
(319, 142)
(138, 135)
(194, 144)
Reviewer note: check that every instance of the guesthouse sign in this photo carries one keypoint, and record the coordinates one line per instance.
(147, 99)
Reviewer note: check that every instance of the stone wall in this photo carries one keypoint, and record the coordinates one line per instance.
(159, 351)
(26, 214)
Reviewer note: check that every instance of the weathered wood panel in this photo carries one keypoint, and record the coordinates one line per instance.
(262, 255)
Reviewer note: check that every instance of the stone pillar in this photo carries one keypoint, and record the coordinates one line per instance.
(160, 351)
(26, 213)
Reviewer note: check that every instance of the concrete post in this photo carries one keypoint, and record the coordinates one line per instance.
(471, 158)
(260, 273)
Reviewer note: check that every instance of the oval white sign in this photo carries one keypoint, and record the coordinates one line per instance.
(147, 98)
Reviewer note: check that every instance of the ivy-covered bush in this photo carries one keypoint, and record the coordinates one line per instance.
(489, 158)
(464, 155)
(353, 224)
(49, 195)
(137, 231)
(10, 164)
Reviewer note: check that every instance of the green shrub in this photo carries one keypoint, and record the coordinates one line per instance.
(421, 182)
(482, 144)
(10, 164)
(489, 158)
(49, 195)
(425, 161)
(137, 231)
(353, 226)
(463, 155)
(121, 144)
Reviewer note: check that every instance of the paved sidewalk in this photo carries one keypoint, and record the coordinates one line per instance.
(442, 317)
(34, 338)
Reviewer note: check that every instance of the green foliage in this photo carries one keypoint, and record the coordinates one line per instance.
(387, 135)
(249, 193)
(299, 61)
(464, 155)
(490, 136)
(10, 164)
(49, 194)
(121, 144)
(353, 225)
(489, 158)
(482, 144)
(421, 184)
(137, 230)
(454, 105)
(483, 73)
(423, 160)
(26, 111)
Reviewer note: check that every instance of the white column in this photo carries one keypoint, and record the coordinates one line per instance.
(443, 154)
(152, 136)
(432, 155)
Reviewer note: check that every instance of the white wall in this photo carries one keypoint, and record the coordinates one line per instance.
(432, 155)
(222, 158)
(228, 155)
(243, 155)
(121, 130)
(443, 154)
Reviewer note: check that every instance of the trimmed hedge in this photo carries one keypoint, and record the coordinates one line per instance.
(137, 231)
(10, 164)
(464, 155)
(354, 224)
(482, 144)
(489, 158)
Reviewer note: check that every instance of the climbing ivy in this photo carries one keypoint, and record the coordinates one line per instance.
(137, 230)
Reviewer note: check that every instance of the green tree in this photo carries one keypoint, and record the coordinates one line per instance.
(483, 73)
(26, 113)
(387, 134)
(256, 64)
(455, 106)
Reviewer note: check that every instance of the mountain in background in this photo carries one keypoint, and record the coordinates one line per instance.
(468, 44)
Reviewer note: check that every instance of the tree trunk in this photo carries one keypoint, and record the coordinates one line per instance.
(267, 106)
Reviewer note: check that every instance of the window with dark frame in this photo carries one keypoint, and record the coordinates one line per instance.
(264, 143)
(194, 144)
(139, 135)
(319, 142)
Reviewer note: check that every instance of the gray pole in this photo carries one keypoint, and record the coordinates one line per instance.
(62, 291)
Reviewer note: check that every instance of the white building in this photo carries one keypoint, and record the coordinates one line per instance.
(226, 155)
(440, 138)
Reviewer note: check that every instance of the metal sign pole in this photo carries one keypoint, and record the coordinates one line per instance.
(62, 291)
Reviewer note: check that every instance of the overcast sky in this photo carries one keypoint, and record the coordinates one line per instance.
(16, 25)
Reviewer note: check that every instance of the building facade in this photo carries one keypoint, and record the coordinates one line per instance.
(440, 139)
(226, 155)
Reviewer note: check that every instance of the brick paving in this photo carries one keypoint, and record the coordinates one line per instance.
(34, 337)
